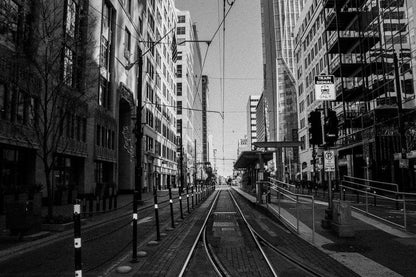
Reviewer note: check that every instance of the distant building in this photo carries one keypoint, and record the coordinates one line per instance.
(251, 119)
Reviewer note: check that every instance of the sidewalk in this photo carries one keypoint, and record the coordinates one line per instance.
(11, 245)
(376, 249)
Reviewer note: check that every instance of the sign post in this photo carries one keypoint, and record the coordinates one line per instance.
(325, 87)
(329, 166)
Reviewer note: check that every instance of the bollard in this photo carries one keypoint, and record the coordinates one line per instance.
(171, 207)
(156, 213)
(110, 201)
(77, 238)
(192, 193)
(343, 194)
(115, 200)
(134, 240)
(375, 203)
(97, 204)
(187, 198)
(104, 203)
(180, 201)
(90, 205)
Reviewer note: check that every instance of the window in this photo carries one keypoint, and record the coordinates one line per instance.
(106, 37)
(149, 92)
(103, 94)
(68, 66)
(180, 30)
(71, 10)
(127, 44)
(3, 101)
(181, 19)
(150, 69)
(179, 89)
(179, 105)
(151, 22)
(179, 71)
(129, 6)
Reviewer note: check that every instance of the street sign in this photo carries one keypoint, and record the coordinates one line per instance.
(325, 87)
(329, 160)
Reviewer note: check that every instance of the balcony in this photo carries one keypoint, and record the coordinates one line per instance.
(350, 42)
(351, 65)
(330, 4)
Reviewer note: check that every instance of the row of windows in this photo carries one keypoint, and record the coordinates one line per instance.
(17, 106)
(105, 137)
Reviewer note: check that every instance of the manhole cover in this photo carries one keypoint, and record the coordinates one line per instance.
(345, 247)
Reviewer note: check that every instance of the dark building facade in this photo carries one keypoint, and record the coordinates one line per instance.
(369, 52)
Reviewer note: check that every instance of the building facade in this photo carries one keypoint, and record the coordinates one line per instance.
(279, 95)
(95, 145)
(368, 47)
(251, 119)
(310, 59)
(188, 92)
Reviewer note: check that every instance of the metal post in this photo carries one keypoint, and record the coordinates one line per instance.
(156, 212)
(180, 202)
(366, 200)
(313, 220)
(171, 206)
(138, 128)
(77, 239)
(134, 221)
(297, 213)
(404, 212)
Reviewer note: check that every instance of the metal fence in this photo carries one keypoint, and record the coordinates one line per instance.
(375, 198)
(286, 198)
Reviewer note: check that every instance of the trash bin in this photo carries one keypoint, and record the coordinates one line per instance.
(341, 218)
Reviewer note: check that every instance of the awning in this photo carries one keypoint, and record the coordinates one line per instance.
(249, 159)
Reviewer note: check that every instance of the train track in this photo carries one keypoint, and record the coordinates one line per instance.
(228, 245)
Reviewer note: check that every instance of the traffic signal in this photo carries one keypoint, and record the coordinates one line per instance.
(315, 128)
(331, 128)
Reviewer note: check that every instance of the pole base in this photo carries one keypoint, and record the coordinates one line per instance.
(326, 222)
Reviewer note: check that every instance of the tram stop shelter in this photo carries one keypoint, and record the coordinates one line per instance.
(249, 162)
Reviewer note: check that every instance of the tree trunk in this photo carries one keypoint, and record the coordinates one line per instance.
(49, 187)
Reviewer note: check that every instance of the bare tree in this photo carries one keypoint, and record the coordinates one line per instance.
(54, 49)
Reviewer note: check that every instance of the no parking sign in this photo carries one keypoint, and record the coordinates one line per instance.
(329, 160)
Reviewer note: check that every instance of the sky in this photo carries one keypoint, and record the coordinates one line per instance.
(243, 74)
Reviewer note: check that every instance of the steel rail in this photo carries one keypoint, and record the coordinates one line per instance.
(274, 248)
(250, 228)
(198, 237)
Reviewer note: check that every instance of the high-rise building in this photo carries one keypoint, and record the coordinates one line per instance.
(253, 100)
(310, 60)
(369, 51)
(92, 142)
(159, 98)
(188, 90)
(279, 95)
(204, 118)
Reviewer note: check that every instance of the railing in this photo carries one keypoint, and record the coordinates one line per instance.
(384, 196)
(285, 197)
